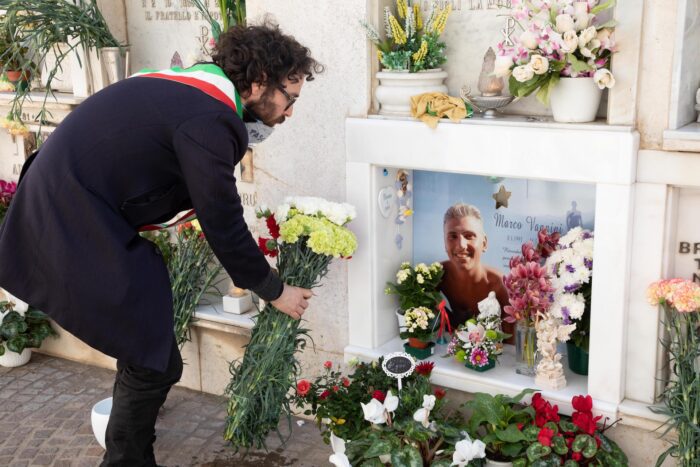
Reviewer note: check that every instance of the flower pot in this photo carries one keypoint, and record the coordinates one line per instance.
(525, 348)
(400, 318)
(575, 100)
(99, 419)
(396, 88)
(19, 78)
(491, 463)
(418, 353)
(417, 343)
(578, 359)
(12, 359)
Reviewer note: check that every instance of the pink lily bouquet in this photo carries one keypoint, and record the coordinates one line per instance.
(560, 38)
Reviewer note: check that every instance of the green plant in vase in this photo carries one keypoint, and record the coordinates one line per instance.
(419, 330)
(20, 329)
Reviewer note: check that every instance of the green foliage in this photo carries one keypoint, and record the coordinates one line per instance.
(417, 285)
(495, 419)
(682, 395)
(19, 332)
(231, 12)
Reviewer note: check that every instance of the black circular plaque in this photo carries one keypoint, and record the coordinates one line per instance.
(398, 365)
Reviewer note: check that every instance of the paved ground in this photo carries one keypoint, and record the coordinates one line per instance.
(45, 420)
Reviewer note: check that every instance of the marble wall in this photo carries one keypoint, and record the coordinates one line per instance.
(686, 64)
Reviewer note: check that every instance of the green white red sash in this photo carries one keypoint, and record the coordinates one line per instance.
(211, 80)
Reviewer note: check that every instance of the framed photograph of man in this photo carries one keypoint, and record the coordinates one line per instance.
(457, 223)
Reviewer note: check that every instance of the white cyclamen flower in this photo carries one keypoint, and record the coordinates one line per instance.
(564, 23)
(468, 450)
(374, 412)
(338, 458)
(539, 64)
(523, 73)
(502, 66)
(604, 79)
(421, 415)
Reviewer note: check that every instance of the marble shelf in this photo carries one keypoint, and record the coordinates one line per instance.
(686, 138)
(214, 317)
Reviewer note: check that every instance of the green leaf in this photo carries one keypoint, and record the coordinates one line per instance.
(511, 434)
(531, 433)
(17, 344)
(567, 426)
(408, 456)
(2, 350)
(559, 445)
(537, 451)
(372, 463)
(577, 65)
(378, 448)
(520, 463)
(608, 24)
(571, 463)
(603, 6)
(441, 463)
(512, 450)
(546, 89)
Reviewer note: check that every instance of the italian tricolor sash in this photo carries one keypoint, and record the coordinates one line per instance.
(207, 77)
(211, 80)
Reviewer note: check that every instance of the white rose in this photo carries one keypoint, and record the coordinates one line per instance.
(570, 41)
(564, 23)
(586, 36)
(603, 35)
(586, 52)
(528, 40)
(523, 73)
(604, 79)
(539, 64)
(581, 21)
(502, 66)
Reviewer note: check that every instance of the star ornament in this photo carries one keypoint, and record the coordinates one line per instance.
(501, 197)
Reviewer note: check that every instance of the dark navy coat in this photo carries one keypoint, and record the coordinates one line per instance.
(136, 153)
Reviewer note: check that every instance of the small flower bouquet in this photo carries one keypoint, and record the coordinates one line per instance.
(367, 422)
(680, 300)
(7, 192)
(560, 38)
(420, 328)
(476, 343)
(412, 43)
(417, 286)
(310, 233)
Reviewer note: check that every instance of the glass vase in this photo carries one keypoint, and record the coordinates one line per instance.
(525, 348)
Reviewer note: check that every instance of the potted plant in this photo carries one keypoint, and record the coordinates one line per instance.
(416, 286)
(15, 57)
(21, 329)
(7, 192)
(231, 12)
(419, 330)
(563, 54)
(410, 54)
(368, 422)
(498, 421)
(571, 269)
(476, 343)
(554, 439)
(44, 25)
(680, 300)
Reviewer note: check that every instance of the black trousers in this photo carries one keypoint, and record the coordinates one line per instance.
(138, 395)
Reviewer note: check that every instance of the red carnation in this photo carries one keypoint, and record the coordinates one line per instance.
(582, 403)
(273, 227)
(267, 246)
(324, 395)
(425, 368)
(379, 395)
(545, 436)
(439, 393)
(303, 387)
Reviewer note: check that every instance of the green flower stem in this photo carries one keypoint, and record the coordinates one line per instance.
(259, 388)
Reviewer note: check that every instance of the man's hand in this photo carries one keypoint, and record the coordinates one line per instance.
(293, 301)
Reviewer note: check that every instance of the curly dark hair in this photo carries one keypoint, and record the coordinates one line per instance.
(262, 54)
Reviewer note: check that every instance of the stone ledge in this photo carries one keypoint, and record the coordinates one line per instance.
(686, 138)
(213, 317)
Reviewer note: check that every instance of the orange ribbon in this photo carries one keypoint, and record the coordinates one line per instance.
(444, 319)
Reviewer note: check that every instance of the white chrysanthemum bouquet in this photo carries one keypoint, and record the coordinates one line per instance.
(570, 267)
(306, 234)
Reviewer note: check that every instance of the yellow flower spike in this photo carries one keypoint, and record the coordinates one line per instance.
(401, 8)
(421, 53)
(419, 17)
(397, 31)
(380, 55)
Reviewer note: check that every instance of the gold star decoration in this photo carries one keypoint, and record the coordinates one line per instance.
(501, 197)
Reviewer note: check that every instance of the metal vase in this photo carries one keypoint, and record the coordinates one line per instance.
(115, 64)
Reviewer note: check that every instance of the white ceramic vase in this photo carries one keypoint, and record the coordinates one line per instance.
(575, 100)
(12, 359)
(62, 81)
(396, 88)
(490, 463)
(99, 419)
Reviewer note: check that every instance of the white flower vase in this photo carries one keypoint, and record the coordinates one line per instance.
(490, 463)
(99, 419)
(575, 100)
(12, 359)
(396, 88)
